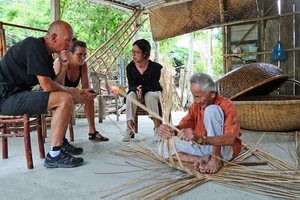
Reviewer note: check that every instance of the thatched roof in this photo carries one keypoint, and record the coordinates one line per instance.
(172, 18)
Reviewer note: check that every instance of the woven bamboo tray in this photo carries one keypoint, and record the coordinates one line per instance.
(269, 113)
(255, 79)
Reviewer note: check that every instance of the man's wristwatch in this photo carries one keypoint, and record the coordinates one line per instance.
(203, 140)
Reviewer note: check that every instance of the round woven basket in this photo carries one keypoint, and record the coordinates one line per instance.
(269, 113)
(253, 79)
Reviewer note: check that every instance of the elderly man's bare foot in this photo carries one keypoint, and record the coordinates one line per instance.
(212, 166)
(184, 157)
(200, 164)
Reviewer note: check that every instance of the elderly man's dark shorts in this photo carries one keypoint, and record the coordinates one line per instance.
(27, 102)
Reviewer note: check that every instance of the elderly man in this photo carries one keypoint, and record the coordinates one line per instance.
(211, 125)
(28, 63)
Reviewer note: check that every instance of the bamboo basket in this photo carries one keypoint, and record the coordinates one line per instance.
(255, 79)
(269, 113)
(249, 87)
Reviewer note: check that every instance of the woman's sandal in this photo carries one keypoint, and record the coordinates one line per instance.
(93, 136)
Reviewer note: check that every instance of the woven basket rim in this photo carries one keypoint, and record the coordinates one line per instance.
(281, 76)
(273, 102)
(268, 113)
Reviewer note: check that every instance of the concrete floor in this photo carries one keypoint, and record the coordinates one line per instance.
(99, 172)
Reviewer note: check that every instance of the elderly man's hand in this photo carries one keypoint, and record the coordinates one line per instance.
(165, 131)
(187, 135)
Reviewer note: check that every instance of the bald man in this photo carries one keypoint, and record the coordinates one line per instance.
(28, 63)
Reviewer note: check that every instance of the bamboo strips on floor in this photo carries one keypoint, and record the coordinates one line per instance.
(168, 178)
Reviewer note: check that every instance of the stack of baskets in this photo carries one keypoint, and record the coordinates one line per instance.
(249, 87)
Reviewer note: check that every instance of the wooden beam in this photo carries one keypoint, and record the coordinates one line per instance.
(24, 27)
(250, 20)
(259, 53)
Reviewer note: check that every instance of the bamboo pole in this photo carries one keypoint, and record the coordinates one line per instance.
(260, 53)
(222, 19)
(183, 86)
(24, 27)
(2, 40)
(251, 20)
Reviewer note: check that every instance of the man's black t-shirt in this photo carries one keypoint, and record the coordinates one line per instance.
(22, 63)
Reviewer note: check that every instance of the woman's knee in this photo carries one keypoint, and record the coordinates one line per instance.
(130, 95)
(151, 96)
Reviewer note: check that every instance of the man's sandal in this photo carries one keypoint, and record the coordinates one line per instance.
(93, 136)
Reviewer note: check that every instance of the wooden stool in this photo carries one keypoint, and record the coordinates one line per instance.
(25, 123)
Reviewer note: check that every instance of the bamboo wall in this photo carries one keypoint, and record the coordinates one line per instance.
(287, 30)
(272, 28)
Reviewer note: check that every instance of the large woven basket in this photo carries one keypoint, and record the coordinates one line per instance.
(253, 79)
(249, 87)
(269, 113)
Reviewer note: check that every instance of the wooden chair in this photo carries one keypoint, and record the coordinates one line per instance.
(25, 123)
(104, 94)
(46, 117)
(140, 112)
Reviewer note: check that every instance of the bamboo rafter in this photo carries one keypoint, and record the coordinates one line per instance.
(108, 53)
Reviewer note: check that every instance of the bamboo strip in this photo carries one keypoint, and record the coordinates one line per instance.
(283, 181)
(275, 183)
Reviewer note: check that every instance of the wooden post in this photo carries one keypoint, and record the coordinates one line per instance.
(156, 51)
(55, 10)
(297, 44)
(222, 18)
(2, 40)
(286, 40)
(183, 86)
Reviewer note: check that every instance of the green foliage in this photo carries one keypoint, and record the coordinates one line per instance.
(92, 23)
(217, 64)
(95, 24)
(217, 61)
(199, 65)
(30, 13)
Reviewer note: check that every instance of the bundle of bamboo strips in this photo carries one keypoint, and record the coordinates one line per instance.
(282, 181)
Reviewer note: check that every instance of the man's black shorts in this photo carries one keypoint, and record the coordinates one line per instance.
(26, 102)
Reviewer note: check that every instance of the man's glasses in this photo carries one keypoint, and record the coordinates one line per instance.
(81, 55)
(135, 52)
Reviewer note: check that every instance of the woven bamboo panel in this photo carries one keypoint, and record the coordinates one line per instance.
(194, 15)
(269, 113)
(251, 80)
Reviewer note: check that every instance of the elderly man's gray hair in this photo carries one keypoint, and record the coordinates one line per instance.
(205, 81)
